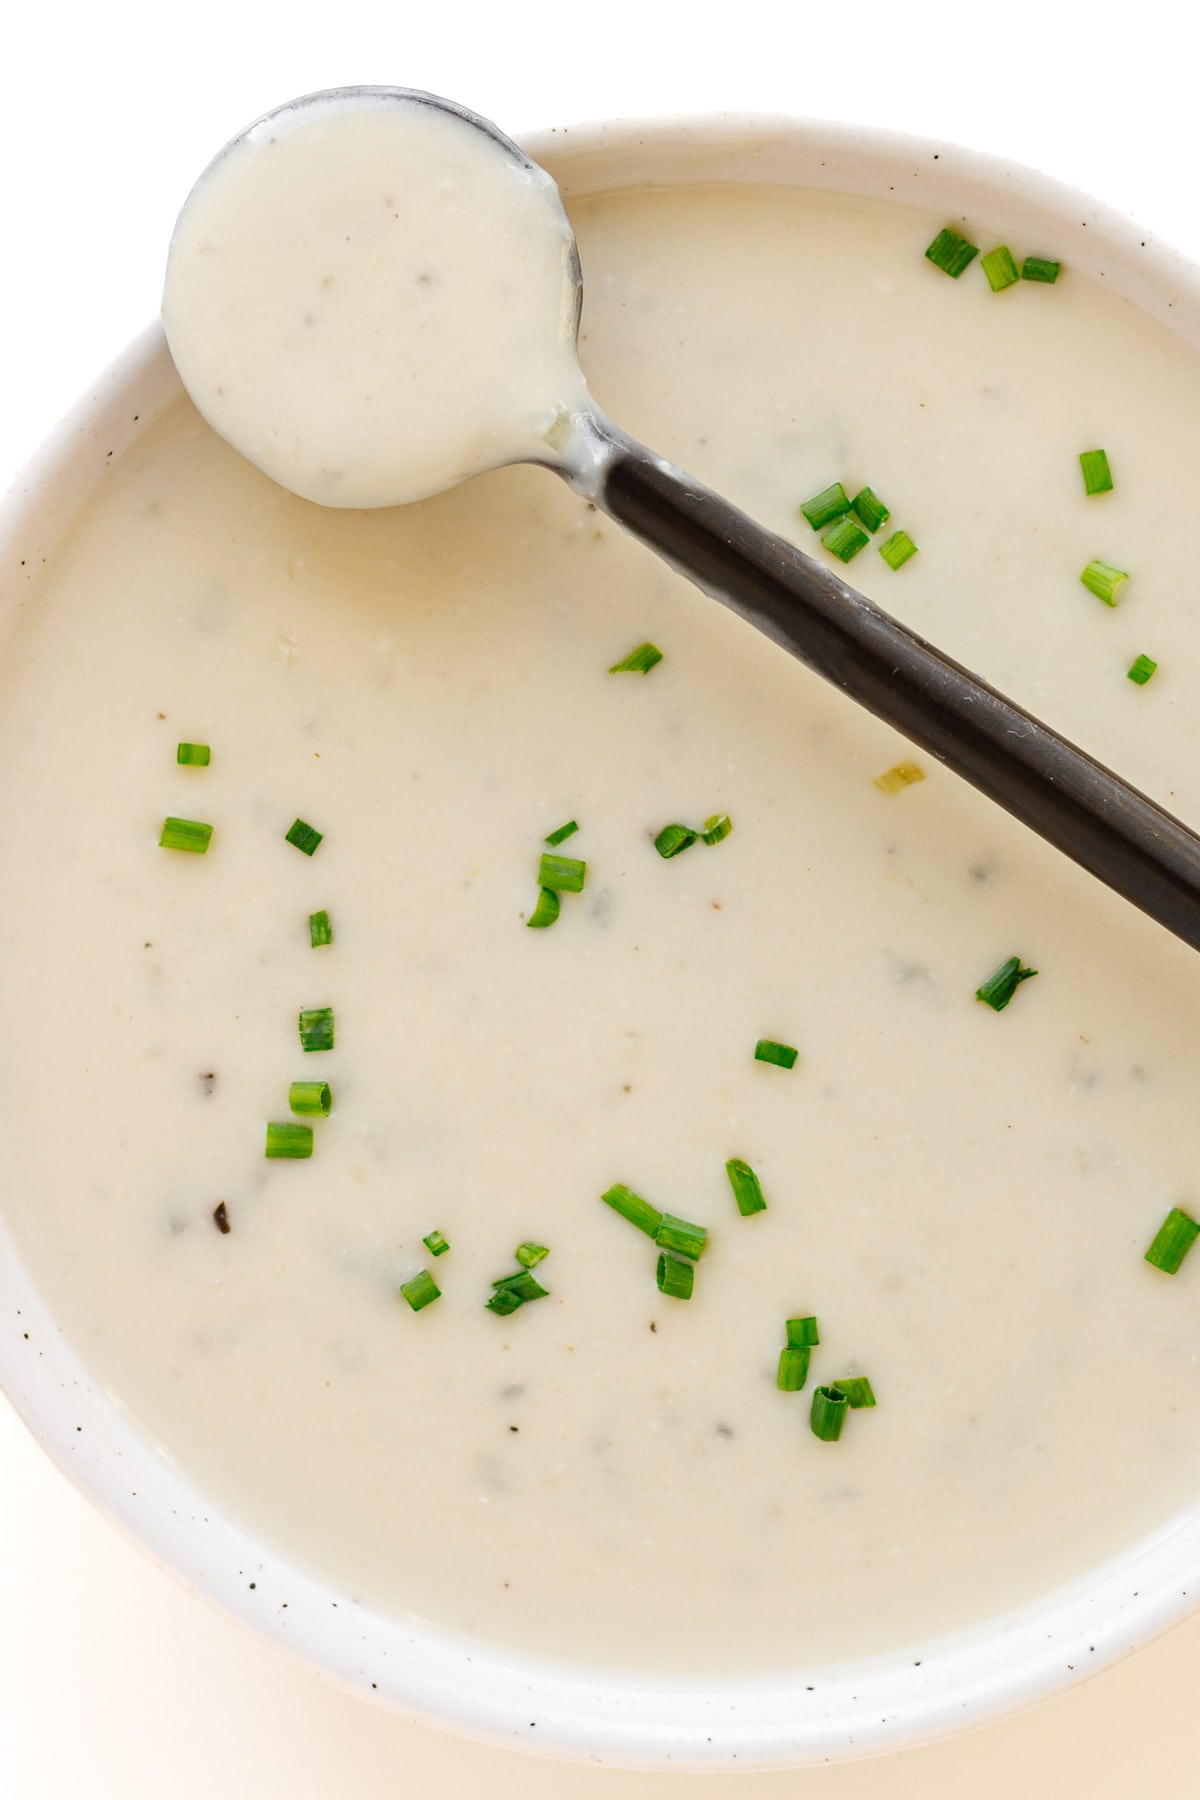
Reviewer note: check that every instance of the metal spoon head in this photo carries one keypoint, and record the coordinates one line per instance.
(373, 293)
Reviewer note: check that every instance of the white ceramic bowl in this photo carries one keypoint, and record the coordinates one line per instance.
(803, 1716)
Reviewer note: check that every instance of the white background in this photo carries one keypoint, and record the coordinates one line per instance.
(112, 1680)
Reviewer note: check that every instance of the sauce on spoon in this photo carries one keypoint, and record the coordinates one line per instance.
(364, 337)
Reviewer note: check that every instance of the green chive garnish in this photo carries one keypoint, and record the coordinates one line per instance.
(1172, 1241)
(898, 777)
(289, 1140)
(793, 1368)
(830, 504)
(717, 828)
(305, 837)
(672, 839)
(870, 509)
(1038, 268)
(320, 931)
(747, 1189)
(1103, 580)
(316, 1029)
(676, 1276)
(511, 1291)
(828, 1415)
(420, 1290)
(435, 1243)
(1000, 268)
(1141, 669)
(562, 874)
(802, 1333)
(999, 988)
(310, 1097)
(639, 661)
(631, 1206)
(782, 1055)
(845, 539)
(546, 911)
(951, 253)
(1097, 476)
(185, 834)
(193, 756)
(857, 1389)
(530, 1255)
(897, 550)
(562, 834)
(681, 1236)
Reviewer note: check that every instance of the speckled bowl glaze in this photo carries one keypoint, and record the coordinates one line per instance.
(785, 1719)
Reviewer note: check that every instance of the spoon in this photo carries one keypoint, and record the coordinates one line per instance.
(460, 356)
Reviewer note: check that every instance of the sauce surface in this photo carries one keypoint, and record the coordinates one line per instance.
(372, 300)
(963, 1198)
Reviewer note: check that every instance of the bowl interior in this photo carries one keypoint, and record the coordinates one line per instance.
(788, 1720)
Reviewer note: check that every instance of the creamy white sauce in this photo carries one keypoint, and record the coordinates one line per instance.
(372, 300)
(963, 1198)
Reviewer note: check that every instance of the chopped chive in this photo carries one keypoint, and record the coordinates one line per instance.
(639, 661)
(830, 504)
(562, 874)
(221, 1218)
(870, 509)
(316, 1029)
(747, 1189)
(1141, 669)
(289, 1140)
(898, 777)
(676, 1275)
(1172, 1241)
(782, 1055)
(793, 1368)
(857, 1389)
(1039, 268)
(512, 1291)
(1103, 580)
(545, 912)
(951, 253)
(305, 837)
(185, 834)
(562, 834)
(435, 1243)
(310, 1097)
(681, 1236)
(672, 839)
(529, 1255)
(320, 931)
(193, 756)
(1097, 476)
(631, 1206)
(1000, 268)
(999, 988)
(521, 1283)
(717, 828)
(897, 550)
(828, 1415)
(802, 1333)
(845, 539)
(420, 1290)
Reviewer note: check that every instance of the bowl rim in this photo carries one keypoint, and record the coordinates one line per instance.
(808, 1716)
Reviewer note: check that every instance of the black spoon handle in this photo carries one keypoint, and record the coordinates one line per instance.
(1089, 813)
